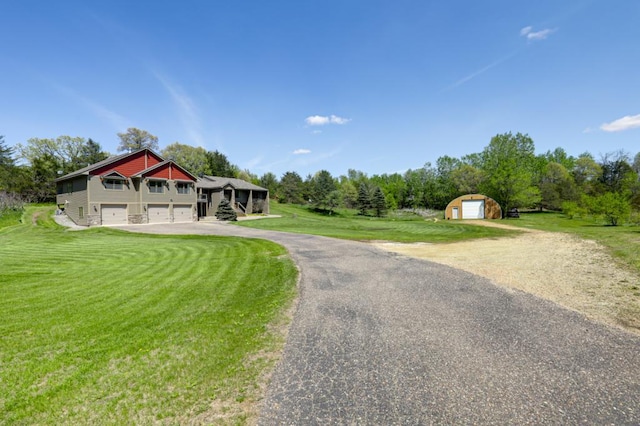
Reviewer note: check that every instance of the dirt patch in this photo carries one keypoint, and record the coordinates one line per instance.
(575, 273)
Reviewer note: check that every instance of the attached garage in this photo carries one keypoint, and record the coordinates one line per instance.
(473, 206)
(182, 213)
(113, 214)
(158, 213)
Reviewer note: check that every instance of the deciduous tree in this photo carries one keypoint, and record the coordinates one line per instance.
(507, 164)
(192, 158)
(134, 139)
(557, 186)
(71, 153)
(613, 207)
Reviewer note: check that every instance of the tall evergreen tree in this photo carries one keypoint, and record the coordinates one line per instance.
(270, 181)
(6, 154)
(364, 199)
(219, 165)
(7, 165)
(323, 185)
(92, 153)
(378, 202)
(291, 188)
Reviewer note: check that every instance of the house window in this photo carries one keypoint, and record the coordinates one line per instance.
(156, 186)
(68, 187)
(183, 187)
(80, 212)
(114, 184)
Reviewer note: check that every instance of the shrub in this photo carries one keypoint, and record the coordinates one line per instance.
(613, 207)
(572, 209)
(225, 211)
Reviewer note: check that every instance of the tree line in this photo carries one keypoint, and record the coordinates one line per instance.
(507, 170)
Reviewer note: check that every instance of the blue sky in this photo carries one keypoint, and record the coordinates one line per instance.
(377, 86)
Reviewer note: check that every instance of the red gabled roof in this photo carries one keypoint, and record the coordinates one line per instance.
(131, 164)
(166, 170)
(125, 164)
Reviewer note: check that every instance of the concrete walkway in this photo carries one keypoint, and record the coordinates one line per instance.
(383, 339)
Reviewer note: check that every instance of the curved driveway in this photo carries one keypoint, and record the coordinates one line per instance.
(384, 339)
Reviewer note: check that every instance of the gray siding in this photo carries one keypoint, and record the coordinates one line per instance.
(89, 194)
(75, 200)
(99, 195)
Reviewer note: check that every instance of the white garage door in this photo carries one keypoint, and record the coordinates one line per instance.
(473, 209)
(158, 213)
(182, 213)
(113, 214)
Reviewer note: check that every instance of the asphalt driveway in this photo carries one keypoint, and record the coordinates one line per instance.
(383, 339)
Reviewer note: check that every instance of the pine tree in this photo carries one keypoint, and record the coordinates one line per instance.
(364, 199)
(6, 164)
(379, 203)
(225, 211)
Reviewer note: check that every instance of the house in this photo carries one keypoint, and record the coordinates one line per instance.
(473, 206)
(245, 197)
(137, 187)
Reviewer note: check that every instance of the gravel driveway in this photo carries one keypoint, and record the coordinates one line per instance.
(379, 338)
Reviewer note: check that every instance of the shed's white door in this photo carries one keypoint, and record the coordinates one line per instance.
(113, 214)
(454, 213)
(182, 213)
(473, 209)
(158, 213)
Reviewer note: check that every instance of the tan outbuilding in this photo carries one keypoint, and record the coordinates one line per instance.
(473, 206)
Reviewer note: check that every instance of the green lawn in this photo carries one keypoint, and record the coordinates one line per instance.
(623, 241)
(347, 224)
(9, 218)
(107, 327)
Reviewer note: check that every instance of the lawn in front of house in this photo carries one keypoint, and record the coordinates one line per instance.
(103, 326)
(347, 224)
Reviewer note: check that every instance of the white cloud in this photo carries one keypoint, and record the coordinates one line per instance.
(301, 151)
(536, 35)
(320, 120)
(624, 123)
(525, 31)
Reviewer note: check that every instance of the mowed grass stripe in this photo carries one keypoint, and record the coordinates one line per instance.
(111, 327)
(347, 224)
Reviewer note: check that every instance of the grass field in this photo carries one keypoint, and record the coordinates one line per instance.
(347, 224)
(623, 241)
(107, 327)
